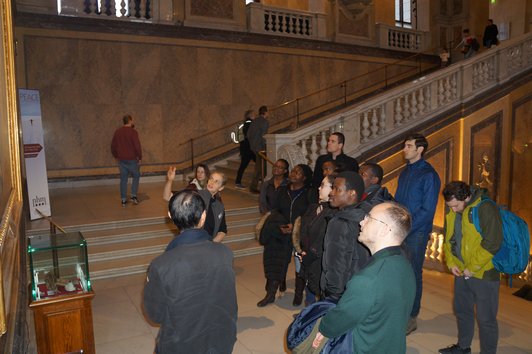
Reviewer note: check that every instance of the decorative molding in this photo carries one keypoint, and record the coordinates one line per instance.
(493, 155)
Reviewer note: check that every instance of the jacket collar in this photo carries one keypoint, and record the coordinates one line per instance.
(189, 237)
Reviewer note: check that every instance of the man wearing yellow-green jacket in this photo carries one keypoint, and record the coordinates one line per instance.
(468, 255)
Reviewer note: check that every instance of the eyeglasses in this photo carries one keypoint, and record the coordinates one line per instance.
(368, 216)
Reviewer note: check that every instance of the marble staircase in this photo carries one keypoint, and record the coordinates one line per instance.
(126, 247)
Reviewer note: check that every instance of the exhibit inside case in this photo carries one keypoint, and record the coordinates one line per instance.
(59, 265)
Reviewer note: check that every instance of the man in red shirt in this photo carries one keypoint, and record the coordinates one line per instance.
(126, 149)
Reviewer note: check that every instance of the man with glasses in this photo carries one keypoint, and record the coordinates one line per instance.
(343, 255)
(376, 306)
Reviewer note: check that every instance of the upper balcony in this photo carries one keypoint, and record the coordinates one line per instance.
(341, 24)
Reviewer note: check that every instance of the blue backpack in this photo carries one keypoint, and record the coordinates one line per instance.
(512, 257)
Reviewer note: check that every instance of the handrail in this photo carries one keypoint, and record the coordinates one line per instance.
(343, 84)
(53, 225)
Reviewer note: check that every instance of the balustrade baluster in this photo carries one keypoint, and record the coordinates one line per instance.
(382, 119)
(313, 151)
(267, 24)
(365, 127)
(374, 123)
(398, 117)
(454, 87)
(441, 90)
(421, 101)
(323, 143)
(447, 87)
(123, 8)
(440, 247)
(134, 10)
(413, 108)
(287, 21)
(428, 250)
(304, 149)
(406, 108)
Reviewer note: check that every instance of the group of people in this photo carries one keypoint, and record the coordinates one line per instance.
(469, 44)
(355, 245)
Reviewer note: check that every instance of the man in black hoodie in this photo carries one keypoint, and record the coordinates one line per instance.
(343, 255)
(374, 193)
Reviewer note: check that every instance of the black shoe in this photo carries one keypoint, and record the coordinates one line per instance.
(454, 349)
(282, 287)
(268, 299)
(134, 200)
(412, 325)
(124, 202)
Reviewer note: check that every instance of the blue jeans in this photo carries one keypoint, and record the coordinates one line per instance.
(416, 245)
(128, 167)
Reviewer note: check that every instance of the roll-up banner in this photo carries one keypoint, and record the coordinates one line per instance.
(35, 161)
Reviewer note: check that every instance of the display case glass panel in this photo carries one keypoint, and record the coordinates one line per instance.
(59, 265)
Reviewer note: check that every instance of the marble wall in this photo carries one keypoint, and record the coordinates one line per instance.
(176, 90)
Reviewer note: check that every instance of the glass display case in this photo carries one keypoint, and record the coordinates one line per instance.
(59, 265)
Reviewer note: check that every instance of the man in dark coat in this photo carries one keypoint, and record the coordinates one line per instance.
(190, 288)
(343, 255)
(335, 152)
(374, 193)
(490, 34)
(257, 129)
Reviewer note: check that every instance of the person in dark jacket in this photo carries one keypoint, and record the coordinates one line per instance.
(418, 188)
(276, 234)
(246, 154)
(190, 288)
(490, 34)
(374, 193)
(269, 190)
(309, 242)
(335, 152)
(343, 255)
(257, 129)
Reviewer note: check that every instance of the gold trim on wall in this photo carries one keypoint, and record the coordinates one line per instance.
(10, 225)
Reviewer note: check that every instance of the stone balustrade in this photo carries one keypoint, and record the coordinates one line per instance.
(389, 115)
(399, 38)
(285, 22)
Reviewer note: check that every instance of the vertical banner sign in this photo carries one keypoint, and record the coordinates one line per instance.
(32, 136)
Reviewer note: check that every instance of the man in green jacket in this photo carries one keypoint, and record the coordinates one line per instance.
(468, 255)
(377, 303)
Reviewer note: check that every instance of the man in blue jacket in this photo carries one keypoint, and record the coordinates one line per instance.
(418, 189)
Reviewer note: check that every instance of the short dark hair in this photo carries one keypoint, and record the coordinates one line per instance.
(376, 171)
(401, 219)
(127, 118)
(263, 109)
(341, 137)
(420, 139)
(307, 171)
(353, 181)
(248, 114)
(456, 189)
(185, 209)
(466, 30)
(490, 20)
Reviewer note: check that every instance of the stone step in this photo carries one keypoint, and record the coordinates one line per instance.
(236, 214)
(139, 264)
(129, 247)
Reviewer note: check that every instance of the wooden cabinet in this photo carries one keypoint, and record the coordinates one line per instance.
(64, 324)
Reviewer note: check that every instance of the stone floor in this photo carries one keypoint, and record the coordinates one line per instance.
(121, 327)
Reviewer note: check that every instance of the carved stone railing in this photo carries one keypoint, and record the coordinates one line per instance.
(285, 22)
(405, 39)
(392, 113)
(159, 11)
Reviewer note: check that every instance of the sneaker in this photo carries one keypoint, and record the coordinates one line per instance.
(240, 186)
(454, 349)
(134, 200)
(124, 202)
(412, 325)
